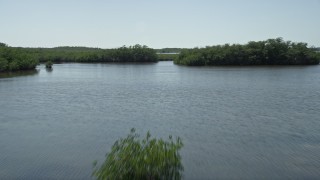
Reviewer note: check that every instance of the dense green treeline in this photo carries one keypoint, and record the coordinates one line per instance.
(166, 57)
(14, 59)
(269, 52)
(136, 53)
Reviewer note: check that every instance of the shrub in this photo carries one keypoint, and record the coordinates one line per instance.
(149, 158)
(14, 66)
(49, 64)
(3, 64)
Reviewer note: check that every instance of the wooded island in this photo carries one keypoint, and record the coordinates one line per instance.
(268, 52)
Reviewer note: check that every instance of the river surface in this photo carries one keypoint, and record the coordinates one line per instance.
(235, 122)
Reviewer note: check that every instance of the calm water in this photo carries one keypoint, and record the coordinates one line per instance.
(235, 122)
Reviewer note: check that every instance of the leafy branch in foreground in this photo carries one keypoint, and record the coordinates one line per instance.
(149, 158)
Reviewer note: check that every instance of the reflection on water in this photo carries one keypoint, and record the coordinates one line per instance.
(18, 73)
(235, 122)
(49, 70)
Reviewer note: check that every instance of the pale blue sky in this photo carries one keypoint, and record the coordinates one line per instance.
(158, 24)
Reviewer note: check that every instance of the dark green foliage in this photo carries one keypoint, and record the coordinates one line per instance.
(136, 53)
(149, 158)
(3, 44)
(3, 64)
(269, 52)
(49, 64)
(14, 59)
(166, 57)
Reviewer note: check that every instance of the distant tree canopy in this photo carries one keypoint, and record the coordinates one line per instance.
(14, 59)
(316, 49)
(136, 53)
(3, 44)
(167, 57)
(169, 50)
(269, 52)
